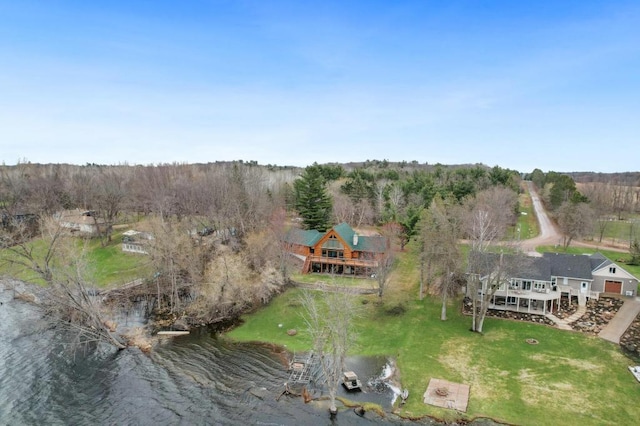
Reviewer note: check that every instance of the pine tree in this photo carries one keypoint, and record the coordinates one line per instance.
(312, 200)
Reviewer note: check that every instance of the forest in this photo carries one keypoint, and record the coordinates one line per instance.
(217, 228)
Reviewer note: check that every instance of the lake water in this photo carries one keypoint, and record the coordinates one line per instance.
(199, 379)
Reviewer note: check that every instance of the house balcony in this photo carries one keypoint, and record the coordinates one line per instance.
(539, 302)
(362, 263)
(339, 265)
(570, 291)
(535, 308)
(544, 294)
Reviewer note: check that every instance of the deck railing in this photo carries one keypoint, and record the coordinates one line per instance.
(517, 308)
(370, 263)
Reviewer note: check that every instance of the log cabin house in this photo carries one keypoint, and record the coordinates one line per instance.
(340, 250)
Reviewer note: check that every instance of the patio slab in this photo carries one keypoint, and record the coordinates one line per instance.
(456, 398)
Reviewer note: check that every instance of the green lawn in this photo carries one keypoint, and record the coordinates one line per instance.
(618, 231)
(567, 378)
(527, 222)
(9, 268)
(111, 266)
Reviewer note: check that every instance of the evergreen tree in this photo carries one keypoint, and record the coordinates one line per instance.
(312, 200)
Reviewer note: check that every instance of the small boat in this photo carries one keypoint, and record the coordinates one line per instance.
(635, 371)
(350, 381)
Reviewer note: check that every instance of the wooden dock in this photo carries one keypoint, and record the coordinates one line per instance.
(301, 368)
(172, 333)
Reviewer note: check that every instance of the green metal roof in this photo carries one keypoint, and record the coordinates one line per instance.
(310, 238)
(304, 238)
(346, 233)
(365, 243)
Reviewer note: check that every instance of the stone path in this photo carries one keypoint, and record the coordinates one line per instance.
(563, 323)
(623, 319)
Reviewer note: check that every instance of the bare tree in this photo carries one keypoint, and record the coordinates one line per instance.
(178, 259)
(383, 268)
(622, 192)
(441, 229)
(282, 249)
(485, 225)
(600, 201)
(379, 197)
(383, 258)
(330, 320)
(501, 203)
(14, 189)
(575, 221)
(395, 197)
(111, 191)
(354, 212)
(343, 209)
(487, 272)
(64, 269)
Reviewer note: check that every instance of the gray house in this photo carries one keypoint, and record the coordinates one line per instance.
(538, 283)
(587, 276)
(526, 285)
(608, 277)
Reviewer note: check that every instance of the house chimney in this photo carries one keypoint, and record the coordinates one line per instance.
(355, 239)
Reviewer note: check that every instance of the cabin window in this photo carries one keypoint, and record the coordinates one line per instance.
(332, 253)
(502, 287)
(514, 285)
(539, 285)
(526, 285)
(311, 250)
(612, 269)
(511, 300)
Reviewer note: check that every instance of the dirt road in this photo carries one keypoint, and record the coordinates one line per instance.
(549, 234)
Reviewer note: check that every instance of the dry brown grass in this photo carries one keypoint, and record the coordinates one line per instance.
(458, 356)
(139, 338)
(569, 362)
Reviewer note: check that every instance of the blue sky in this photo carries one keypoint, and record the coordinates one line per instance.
(542, 84)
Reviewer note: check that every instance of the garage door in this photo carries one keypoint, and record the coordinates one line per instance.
(613, 287)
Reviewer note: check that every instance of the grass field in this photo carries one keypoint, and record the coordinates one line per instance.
(619, 231)
(109, 264)
(567, 378)
(527, 222)
(112, 266)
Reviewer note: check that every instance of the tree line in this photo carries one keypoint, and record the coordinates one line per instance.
(589, 207)
(251, 205)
